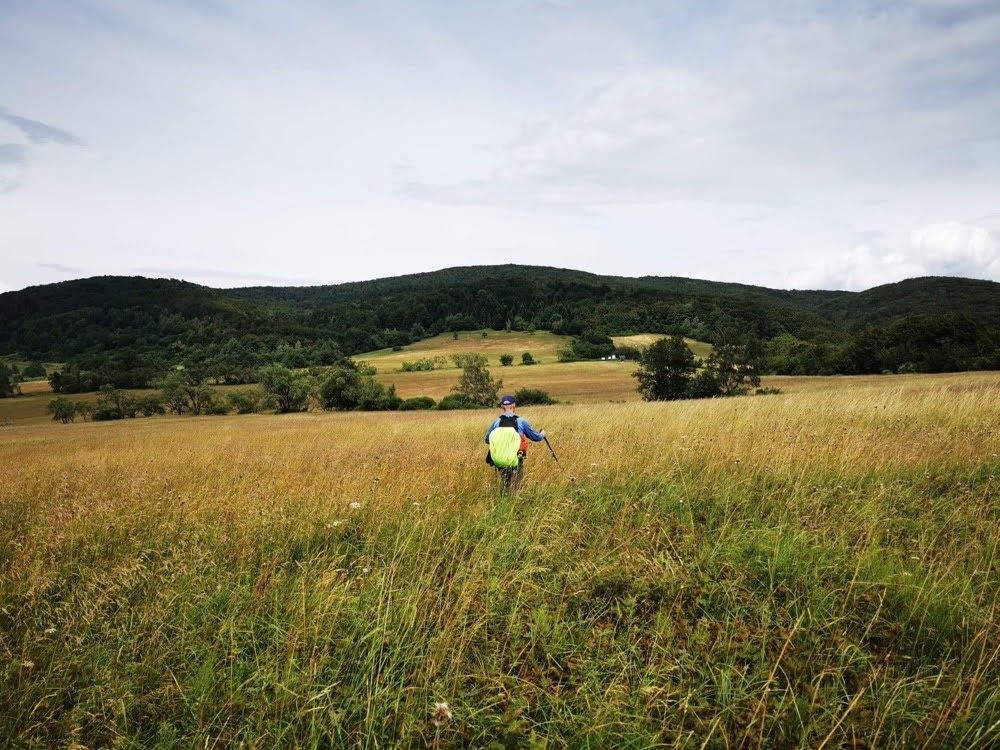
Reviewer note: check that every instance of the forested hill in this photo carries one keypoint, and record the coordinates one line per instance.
(143, 326)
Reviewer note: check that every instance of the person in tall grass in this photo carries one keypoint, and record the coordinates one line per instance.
(508, 438)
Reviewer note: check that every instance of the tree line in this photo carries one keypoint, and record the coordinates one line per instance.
(126, 331)
(347, 386)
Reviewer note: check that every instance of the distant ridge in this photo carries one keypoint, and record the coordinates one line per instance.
(157, 321)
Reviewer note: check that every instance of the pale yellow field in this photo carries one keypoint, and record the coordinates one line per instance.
(643, 340)
(543, 346)
(29, 387)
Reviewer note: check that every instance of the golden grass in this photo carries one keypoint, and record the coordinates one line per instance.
(30, 387)
(765, 571)
(543, 346)
(643, 340)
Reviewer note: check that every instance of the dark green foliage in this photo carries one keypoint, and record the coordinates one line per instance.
(244, 401)
(922, 343)
(348, 388)
(788, 355)
(62, 410)
(533, 397)
(290, 391)
(666, 369)
(506, 360)
(591, 344)
(669, 370)
(736, 365)
(185, 391)
(456, 401)
(113, 403)
(417, 403)
(150, 405)
(527, 359)
(33, 370)
(9, 380)
(627, 352)
(425, 364)
(127, 331)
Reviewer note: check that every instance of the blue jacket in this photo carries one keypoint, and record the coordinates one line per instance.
(523, 428)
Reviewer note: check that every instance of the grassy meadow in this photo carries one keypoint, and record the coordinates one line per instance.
(811, 569)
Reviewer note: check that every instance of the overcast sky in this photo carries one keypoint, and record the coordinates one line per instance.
(829, 145)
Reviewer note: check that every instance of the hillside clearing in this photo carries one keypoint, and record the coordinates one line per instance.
(543, 345)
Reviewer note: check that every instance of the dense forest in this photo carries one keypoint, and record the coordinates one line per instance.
(128, 331)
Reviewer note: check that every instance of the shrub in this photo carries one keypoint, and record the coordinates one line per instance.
(114, 404)
(33, 370)
(217, 408)
(456, 401)
(291, 391)
(422, 365)
(767, 391)
(506, 360)
(150, 405)
(244, 401)
(627, 352)
(533, 397)
(346, 388)
(527, 359)
(9, 380)
(418, 403)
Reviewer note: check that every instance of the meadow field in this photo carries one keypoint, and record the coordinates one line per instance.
(811, 569)
(544, 346)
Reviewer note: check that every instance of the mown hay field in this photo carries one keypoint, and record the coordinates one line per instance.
(543, 345)
(812, 569)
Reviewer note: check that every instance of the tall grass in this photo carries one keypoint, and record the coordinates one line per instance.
(815, 569)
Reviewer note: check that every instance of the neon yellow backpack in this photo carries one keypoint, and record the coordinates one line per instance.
(505, 442)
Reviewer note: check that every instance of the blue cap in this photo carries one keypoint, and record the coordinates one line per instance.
(507, 400)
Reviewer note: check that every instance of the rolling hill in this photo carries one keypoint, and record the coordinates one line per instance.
(141, 326)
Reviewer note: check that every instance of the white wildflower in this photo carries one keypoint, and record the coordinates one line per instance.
(440, 714)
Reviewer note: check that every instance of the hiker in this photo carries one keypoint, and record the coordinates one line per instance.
(508, 440)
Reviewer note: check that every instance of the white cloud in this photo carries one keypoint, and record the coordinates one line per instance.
(333, 142)
(947, 249)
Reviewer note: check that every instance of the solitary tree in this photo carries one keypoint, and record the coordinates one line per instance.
(475, 384)
(665, 370)
(527, 359)
(506, 360)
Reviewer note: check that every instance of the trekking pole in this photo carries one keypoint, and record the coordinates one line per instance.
(550, 449)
